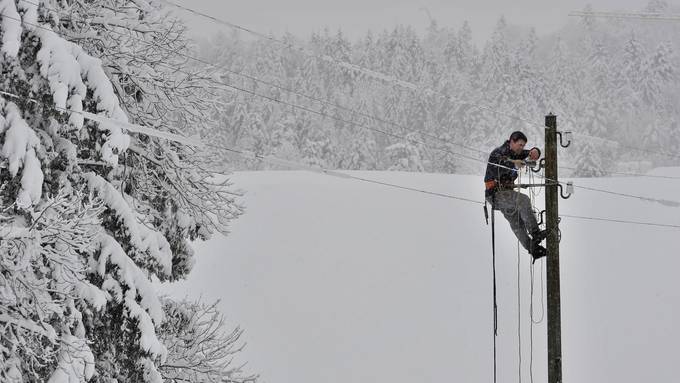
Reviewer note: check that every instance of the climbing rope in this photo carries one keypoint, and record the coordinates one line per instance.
(533, 195)
(519, 291)
(495, 302)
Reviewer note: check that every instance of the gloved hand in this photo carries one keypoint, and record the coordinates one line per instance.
(518, 163)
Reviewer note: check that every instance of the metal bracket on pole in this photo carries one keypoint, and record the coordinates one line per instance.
(525, 186)
(567, 137)
(540, 216)
(539, 165)
(559, 235)
(570, 190)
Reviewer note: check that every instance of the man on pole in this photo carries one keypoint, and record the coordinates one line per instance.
(501, 173)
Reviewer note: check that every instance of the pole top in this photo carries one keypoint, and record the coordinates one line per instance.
(551, 121)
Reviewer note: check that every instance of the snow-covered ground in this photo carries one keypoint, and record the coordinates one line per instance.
(340, 281)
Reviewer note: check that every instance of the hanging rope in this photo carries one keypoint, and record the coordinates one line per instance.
(519, 317)
(533, 195)
(519, 295)
(519, 291)
(534, 321)
(495, 302)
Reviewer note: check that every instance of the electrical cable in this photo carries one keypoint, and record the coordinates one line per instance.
(394, 135)
(372, 73)
(389, 134)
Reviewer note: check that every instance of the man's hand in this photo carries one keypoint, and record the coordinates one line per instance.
(534, 154)
(518, 163)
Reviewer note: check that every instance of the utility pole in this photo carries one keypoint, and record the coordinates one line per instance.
(553, 247)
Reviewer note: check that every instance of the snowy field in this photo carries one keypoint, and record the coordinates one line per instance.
(339, 281)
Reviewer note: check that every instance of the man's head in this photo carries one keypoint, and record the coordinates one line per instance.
(517, 141)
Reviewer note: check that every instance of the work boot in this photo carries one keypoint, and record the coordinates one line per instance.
(539, 235)
(537, 252)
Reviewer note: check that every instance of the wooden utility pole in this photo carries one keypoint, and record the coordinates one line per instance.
(553, 257)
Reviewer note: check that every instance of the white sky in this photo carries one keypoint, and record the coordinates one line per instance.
(355, 17)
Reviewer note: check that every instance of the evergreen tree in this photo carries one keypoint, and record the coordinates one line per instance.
(598, 79)
(634, 68)
(86, 224)
(406, 156)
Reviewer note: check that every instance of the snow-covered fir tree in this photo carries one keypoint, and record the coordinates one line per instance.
(406, 155)
(90, 212)
(610, 80)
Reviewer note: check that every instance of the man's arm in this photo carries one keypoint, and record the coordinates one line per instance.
(500, 158)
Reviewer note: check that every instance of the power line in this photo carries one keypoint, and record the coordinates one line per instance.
(389, 134)
(621, 221)
(274, 160)
(243, 153)
(372, 73)
(628, 15)
(292, 105)
(269, 83)
(124, 125)
(347, 65)
(661, 201)
(298, 93)
(334, 173)
(385, 78)
(629, 174)
(253, 78)
(283, 88)
(355, 67)
(445, 150)
(393, 135)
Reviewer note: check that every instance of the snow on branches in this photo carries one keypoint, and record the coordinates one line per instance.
(19, 149)
(89, 212)
(199, 347)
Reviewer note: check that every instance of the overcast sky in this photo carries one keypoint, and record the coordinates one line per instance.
(355, 17)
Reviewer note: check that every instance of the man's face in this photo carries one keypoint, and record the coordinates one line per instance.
(517, 146)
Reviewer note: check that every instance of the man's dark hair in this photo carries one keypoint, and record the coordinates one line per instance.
(518, 136)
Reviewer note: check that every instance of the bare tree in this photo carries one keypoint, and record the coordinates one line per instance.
(200, 348)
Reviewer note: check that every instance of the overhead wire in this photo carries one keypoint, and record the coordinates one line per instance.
(390, 134)
(628, 173)
(247, 154)
(378, 75)
(343, 175)
(292, 105)
(648, 16)
(411, 86)
(665, 202)
(397, 136)
(363, 126)
(284, 88)
(621, 221)
(277, 161)
(347, 65)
